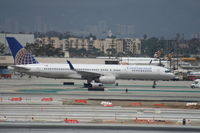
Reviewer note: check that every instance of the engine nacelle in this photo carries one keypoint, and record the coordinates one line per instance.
(107, 79)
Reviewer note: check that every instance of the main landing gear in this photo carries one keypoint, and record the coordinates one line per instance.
(154, 84)
(94, 86)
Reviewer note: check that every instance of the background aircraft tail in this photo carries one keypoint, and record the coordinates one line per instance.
(19, 53)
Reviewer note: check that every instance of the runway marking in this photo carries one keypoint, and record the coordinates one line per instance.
(182, 91)
(120, 90)
(41, 85)
(163, 86)
(49, 90)
(108, 85)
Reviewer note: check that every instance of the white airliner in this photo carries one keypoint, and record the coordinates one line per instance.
(24, 62)
(139, 61)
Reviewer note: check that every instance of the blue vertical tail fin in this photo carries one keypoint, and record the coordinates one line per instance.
(19, 53)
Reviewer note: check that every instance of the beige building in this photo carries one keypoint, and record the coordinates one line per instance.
(42, 41)
(119, 45)
(132, 45)
(65, 44)
(108, 44)
(98, 44)
(76, 43)
(104, 45)
(55, 41)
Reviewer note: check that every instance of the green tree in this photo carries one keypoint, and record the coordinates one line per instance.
(194, 46)
(111, 51)
(128, 53)
(73, 52)
(82, 52)
(151, 45)
(121, 54)
(58, 52)
(2, 49)
(44, 50)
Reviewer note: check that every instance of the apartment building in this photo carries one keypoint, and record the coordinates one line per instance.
(132, 45)
(76, 43)
(105, 45)
(120, 45)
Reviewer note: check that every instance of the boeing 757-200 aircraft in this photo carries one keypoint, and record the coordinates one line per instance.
(24, 62)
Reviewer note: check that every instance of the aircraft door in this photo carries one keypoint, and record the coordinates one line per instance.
(38, 69)
(158, 71)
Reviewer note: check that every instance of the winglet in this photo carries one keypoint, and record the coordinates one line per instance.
(70, 65)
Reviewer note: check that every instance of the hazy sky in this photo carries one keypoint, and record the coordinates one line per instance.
(151, 17)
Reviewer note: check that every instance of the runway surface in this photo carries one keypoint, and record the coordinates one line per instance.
(43, 101)
(94, 114)
(98, 129)
(137, 90)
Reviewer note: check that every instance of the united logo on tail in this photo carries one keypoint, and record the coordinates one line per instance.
(19, 53)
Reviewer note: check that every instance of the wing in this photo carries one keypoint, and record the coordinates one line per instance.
(84, 74)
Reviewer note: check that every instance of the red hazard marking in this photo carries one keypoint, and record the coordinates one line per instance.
(136, 104)
(80, 101)
(107, 105)
(6, 76)
(16, 99)
(159, 104)
(47, 99)
(1, 99)
(70, 121)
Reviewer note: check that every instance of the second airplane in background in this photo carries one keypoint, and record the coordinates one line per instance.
(24, 62)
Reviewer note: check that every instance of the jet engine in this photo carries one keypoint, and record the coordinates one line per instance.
(107, 79)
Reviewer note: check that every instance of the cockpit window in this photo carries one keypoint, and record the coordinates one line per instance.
(167, 71)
